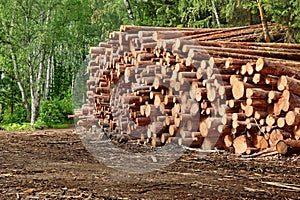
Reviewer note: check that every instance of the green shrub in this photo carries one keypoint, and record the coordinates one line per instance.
(19, 116)
(55, 112)
(59, 126)
(17, 127)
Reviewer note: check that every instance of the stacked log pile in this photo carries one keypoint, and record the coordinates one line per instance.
(201, 88)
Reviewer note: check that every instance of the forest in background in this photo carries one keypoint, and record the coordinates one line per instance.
(44, 45)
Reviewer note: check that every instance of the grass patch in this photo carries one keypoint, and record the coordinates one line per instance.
(58, 126)
(31, 127)
(17, 127)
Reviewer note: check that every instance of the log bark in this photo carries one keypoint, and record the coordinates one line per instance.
(275, 136)
(292, 118)
(289, 83)
(256, 93)
(296, 131)
(260, 142)
(288, 146)
(275, 67)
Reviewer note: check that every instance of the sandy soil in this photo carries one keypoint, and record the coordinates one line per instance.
(54, 164)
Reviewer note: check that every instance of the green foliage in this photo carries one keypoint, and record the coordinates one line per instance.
(287, 13)
(239, 12)
(194, 13)
(109, 14)
(19, 115)
(55, 112)
(59, 126)
(30, 127)
(17, 127)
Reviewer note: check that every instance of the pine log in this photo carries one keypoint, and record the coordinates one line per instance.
(271, 80)
(275, 67)
(260, 114)
(238, 116)
(241, 144)
(256, 93)
(200, 93)
(258, 79)
(156, 141)
(231, 33)
(257, 102)
(254, 45)
(275, 136)
(283, 103)
(273, 95)
(164, 137)
(292, 118)
(190, 142)
(292, 84)
(238, 89)
(265, 53)
(173, 130)
(211, 92)
(280, 122)
(270, 120)
(296, 131)
(143, 121)
(260, 142)
(288, 146)
(234, 78)
(203, 128)
(228, 141)
(249, 110)
(235, 63)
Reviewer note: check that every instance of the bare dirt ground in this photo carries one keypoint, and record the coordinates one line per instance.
(54, 164)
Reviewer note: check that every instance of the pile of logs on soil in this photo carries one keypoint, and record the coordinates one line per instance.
(203, 88)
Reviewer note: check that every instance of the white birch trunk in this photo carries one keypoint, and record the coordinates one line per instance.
(52, 70)
(129, 11)
(16, 69)
(35, 87)
(215, 12)
(48, 77)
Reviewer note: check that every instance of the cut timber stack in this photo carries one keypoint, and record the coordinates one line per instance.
(201, 88)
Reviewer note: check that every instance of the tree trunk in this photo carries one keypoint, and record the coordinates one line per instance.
(263, 21)
(36, 84)
(32, 94)
(48, 77)
(129, 10)
(16, 71)
(23, 94)
(250, 21)
(215, 13)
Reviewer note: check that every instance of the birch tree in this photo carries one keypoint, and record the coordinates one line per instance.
(45, 42)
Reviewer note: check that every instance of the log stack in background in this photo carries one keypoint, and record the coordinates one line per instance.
(201, 88)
